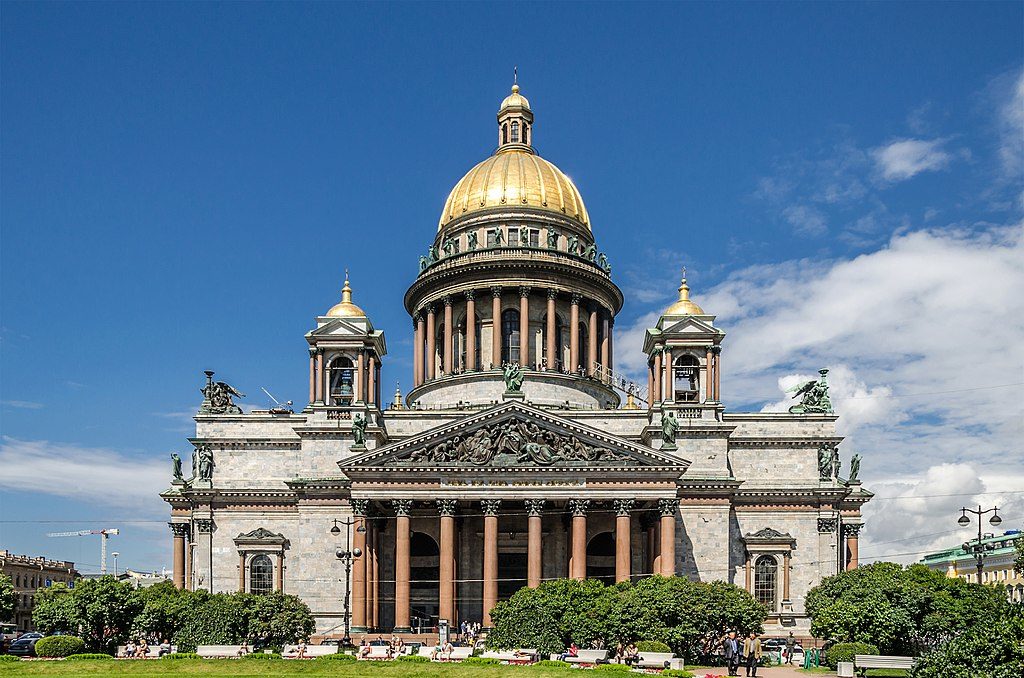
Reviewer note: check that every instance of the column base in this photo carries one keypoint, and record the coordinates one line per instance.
(359, 629)
(402, 629)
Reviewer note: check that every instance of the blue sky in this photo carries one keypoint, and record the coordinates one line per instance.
(183, 186)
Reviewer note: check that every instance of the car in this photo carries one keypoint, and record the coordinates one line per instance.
(24, 645)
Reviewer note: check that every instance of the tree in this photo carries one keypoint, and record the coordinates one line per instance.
(100, 611)
(1019, 564)
(6, 598)
(276, 619)
(993, 650)
(901, 610)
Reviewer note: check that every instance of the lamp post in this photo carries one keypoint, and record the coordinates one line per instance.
(347, 555)
(978, 549)
(115, 554)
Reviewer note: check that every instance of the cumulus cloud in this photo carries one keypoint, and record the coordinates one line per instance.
(905, 158)
(924, 338)
(1011, 129)
(95, 475)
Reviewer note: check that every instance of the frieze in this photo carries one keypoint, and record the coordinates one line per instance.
(497, 482)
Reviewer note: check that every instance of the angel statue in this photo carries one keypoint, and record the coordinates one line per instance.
(217, 397)
(512, 373)
(813, 396)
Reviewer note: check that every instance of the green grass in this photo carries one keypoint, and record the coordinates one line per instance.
(234, 667)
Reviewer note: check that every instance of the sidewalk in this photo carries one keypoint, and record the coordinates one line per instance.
(763, 672)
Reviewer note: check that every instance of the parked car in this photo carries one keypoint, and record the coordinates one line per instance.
(25, 645)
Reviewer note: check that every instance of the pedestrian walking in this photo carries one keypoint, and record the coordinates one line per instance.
(790, 645)
(752, 653)
(731, 647)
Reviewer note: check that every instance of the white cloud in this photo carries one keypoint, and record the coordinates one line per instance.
(1011, 123)
(96, 475)
(22, 404)
(905, 158)
(805, 220)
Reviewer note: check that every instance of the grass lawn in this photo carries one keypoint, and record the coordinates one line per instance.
(238, 667)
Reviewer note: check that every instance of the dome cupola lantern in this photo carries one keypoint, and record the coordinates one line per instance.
(515, 123)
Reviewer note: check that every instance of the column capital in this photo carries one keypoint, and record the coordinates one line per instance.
(668, 506)
(447, 300)
(490, 506)
(852, 529)
(360, 507)
(417, 317)
(402, 506)
(578, 507)
(430, 308)
(552, 293)
(319, 351)
(312, 351)
(524, 290)
(204, 526)
(496, 291)
(179, 529)
(447, 507)
(827, 525)
(715, 348)
(534, 507)
(575, 299)
(470, 295)
(623, 506)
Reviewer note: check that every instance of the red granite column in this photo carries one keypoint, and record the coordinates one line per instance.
(578, 508)
(360, 394)
(446, 565)
(241, 572)
(178, 530)
(319, 375)
(431, 373)
(534, 548)
(668, 381)
(656, 396)
(376, 577)
(748, 575)
(549, 330)
(495, 327)
(709, 377)
(312, 375)
(417, 354)
(718, 374)
(490, 510)
(611, 342)
(668, 508)
(359, 507)
(470, 331)
(448, 336)
(402, 508)
(592, 339)
(623, 507)
(574, 332)
(279, 573)
(371, 387)
(852, 532)
(606, 348)
(524, 327)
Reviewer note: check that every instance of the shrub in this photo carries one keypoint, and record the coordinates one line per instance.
(613, 668)
(339, 657)
(89, 655)
(258, 656)
(844, 652)
(9, 658)
(553, 664)
(412, 658)
(59, 646)
(652, 646)
(995, 651)
(181, 655)
(482, 661)
(677, 673)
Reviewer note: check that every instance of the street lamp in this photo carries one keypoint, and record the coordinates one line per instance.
(978, 549)
(115, 554)
(347, 555)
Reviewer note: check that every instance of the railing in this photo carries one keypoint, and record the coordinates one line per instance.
(620, 382)
(531, 253)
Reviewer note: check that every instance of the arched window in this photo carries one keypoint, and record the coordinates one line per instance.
(766, 574)
(687, 379)
(504, 134)
(510, 336)
(341, 381)
(261, 574)
(515, 132)
(526, 133)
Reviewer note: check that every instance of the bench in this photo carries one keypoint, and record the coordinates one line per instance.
(377, 652)
(221, 651)
(522, 656)
(292, 651)
(588, 657)
(152, 653)
(863, 662)
(658, 660)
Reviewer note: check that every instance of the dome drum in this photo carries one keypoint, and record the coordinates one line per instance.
(484, 389)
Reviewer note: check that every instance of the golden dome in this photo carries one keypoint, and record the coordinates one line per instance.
(515, 177)
(515, 99)
(345, 308)
(683, 306)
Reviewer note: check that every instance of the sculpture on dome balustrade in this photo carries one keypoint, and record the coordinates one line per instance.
(813, 396)
(602, 261)
(432, 254)
(499, 237)
(217, 397)
(572, 244)
(520, 441)
(590, 254)
(512, 373)
(448, 247)
(359, 430)
(552, 239)
(471, 241)
(524, 237)
(424, 263)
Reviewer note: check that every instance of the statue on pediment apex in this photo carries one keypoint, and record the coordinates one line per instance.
(512, 373)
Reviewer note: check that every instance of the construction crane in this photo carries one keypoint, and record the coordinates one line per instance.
(104, 535)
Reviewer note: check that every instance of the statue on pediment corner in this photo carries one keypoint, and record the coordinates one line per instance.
(217, 397)
(813, 394)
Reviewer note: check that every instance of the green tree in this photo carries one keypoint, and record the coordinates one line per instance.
(164, 610)
(276, 619)
(6, 598)
(901, 610)
(1019, 563)
(100, 611)
(991, 650)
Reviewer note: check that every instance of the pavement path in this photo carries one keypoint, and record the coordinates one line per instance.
(764, 672)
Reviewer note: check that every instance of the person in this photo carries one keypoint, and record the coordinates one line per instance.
(632, 653)
(129, 649)
(364, 648)
(446, 653)
(302, 649)
(573, 651)
(620, 653)
(790, 645)
(752, 653)
(243, 648)
(399, 647)
(731, 649)
(165, 647)
(142, 651)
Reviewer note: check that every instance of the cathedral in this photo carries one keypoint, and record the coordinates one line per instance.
(520, 454)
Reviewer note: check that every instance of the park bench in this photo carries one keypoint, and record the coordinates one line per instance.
(522, 656)
(377, 652)
(658, 660)
(588, 657)
(863, 662)
(292, 651)
(220, 651)
(152, 653)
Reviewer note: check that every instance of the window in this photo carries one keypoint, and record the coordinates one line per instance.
(504, 134)
(261, 574)
(515, 132)
(526, 133)
(510, 336)
(687, 379)
(341, 381)
(765, 579)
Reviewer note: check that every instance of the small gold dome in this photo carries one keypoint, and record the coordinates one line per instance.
(345, 308)
(683, 306)
(514, 177)
(515, 99)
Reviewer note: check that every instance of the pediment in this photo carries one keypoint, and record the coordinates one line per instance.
(344, 327)
(510, 436)
(260, 535)
(690, 325)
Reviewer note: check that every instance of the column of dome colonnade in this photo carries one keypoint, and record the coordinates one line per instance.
(491, 511)
(545, 317)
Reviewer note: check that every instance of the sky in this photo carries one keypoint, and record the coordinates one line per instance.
(182, 186)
